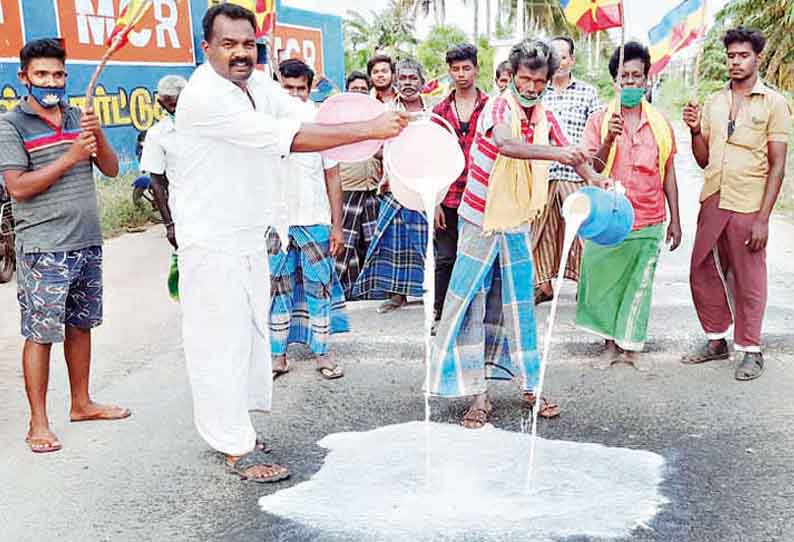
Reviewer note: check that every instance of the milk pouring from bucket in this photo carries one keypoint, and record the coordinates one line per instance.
(609, 216)
(423, 162)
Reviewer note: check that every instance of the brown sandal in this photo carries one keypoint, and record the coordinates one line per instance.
(477, 417)
(548, 410)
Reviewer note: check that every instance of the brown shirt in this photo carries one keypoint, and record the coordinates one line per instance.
(360, 176)
(739, 164)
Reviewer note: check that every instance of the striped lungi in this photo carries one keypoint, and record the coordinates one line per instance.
(395, 262)
(359, 220)
(616, 287)
(307, 301)
(488, 328)
(548, 233)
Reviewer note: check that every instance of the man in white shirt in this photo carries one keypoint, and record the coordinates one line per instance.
(308, 303)
(154, 159)
(233, 125)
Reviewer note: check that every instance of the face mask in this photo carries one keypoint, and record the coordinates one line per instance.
(631, 97)
(47, 96)
(523, 100)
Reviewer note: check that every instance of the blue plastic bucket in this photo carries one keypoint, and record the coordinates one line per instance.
(610, 218)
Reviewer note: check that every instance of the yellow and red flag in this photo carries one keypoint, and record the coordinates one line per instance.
(438, 88)
(679, 28)
(264, 10)
(593, 15)
(131, 15)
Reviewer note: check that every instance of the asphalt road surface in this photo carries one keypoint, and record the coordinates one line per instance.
(728, 445)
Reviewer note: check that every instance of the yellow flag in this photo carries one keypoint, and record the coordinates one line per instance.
(128, 18)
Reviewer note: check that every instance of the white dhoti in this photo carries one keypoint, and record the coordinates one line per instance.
(224, 299)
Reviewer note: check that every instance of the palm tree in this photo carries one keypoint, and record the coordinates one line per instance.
(775, 18)
(391, 31)
(546, 15)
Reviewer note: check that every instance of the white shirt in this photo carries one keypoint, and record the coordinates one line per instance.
(154, 158)
(306, 195)
(228, 159)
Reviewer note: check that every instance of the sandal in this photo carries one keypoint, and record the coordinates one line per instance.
(751, 367)
(280, 372)
(257, 459)
(42, 445)
(108, 414)
(392, 304)
(548, 410)
(477, 417)
(331, 373)
(261, 444)
(542, 297)
(708, 353)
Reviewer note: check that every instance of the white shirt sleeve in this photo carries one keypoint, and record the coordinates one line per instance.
(227, 118)
(153, 155)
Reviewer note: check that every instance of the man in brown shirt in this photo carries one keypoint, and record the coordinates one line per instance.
(740, 138)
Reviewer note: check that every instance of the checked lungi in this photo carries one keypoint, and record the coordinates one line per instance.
(488, 328)
(359, 220)
(548, 234)
(307, 301)
(616, 287)
(395, 262)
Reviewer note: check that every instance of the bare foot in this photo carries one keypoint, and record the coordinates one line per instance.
(392, 304)
(477, 415)
(94, 411)
(41, 440)
(608, 356)
(636, 360)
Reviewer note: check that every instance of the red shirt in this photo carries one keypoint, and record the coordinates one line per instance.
(636, 166)
(446, 110)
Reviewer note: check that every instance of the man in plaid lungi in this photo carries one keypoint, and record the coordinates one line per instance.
(395, 264)
(572, 102)
(360, 208)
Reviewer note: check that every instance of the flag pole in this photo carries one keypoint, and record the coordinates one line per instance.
(119, 40)
(700, 53)
(622, 58)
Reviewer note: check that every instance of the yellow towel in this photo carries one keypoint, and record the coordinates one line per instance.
(661, 133)
(518, 189)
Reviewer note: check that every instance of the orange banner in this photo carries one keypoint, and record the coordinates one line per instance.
(164, 36)
(12, 34)
(300, 42)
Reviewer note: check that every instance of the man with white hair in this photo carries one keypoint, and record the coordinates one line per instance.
(154, 159)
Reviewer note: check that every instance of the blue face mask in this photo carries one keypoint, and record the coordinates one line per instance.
(47, 96)
(631, 97)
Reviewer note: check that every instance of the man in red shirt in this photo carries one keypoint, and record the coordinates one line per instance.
(461, 109)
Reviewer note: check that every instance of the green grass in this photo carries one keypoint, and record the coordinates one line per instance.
(117, 212)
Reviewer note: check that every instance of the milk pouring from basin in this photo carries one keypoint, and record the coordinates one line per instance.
(609, 214)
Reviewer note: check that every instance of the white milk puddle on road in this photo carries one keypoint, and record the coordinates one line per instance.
(372, 485)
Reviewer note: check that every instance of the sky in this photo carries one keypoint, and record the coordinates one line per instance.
(641, 15)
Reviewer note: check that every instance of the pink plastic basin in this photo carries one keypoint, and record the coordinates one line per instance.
(351, 107)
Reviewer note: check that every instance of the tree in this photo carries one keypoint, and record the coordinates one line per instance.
(775, 18)
(390, 31)
(432, 51)
(539, 16)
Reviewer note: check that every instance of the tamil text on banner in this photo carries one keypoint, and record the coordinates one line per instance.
(12, 33)
(163, 37)
(301, 42)
(678, 29)
(265, 11)
(593, 15)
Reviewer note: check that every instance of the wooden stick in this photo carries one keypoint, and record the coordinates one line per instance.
(700, 53)
(619, 79)
(115, 45)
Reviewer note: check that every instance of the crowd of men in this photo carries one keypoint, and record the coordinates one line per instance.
(249, 288)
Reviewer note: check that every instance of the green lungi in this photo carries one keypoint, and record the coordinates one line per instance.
(616, 287)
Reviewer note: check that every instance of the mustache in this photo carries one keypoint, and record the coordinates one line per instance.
(241, 61)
